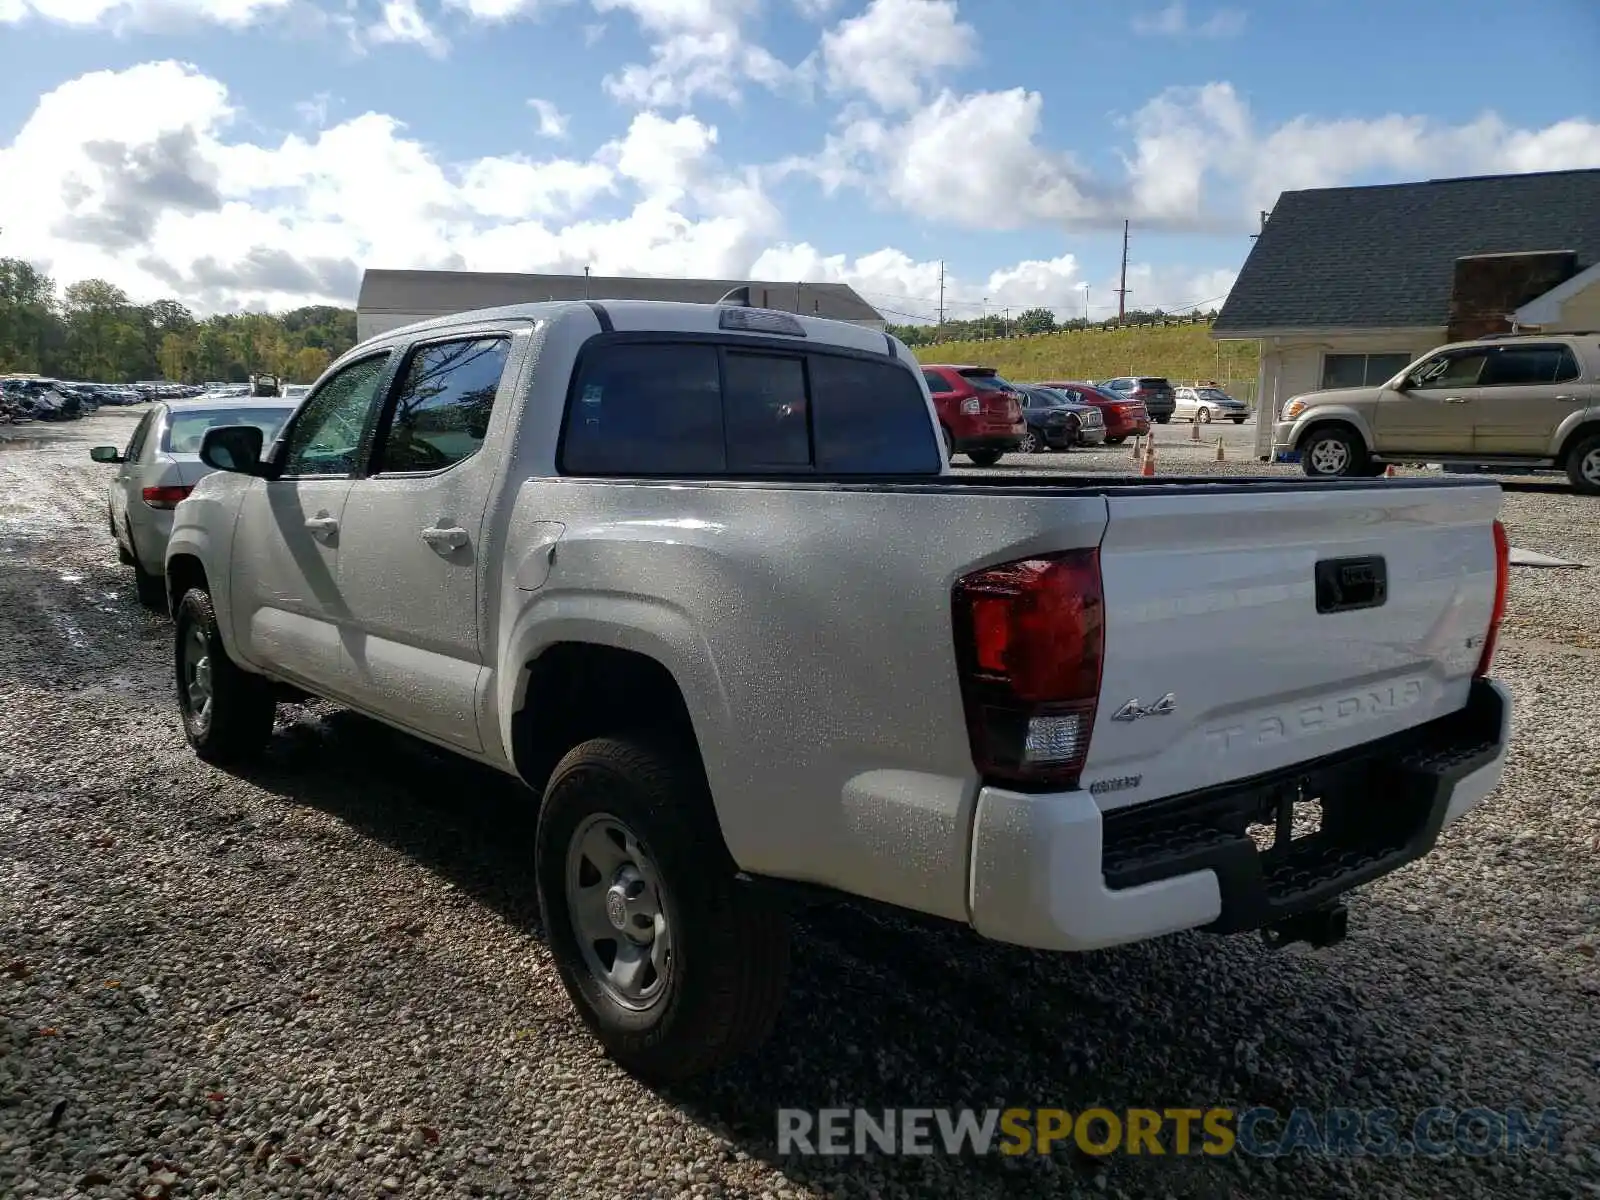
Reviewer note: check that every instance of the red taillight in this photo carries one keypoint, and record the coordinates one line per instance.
(165, 497)
(1030, 636)
(1502, 584)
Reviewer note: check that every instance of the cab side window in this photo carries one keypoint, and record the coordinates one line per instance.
(1455, 369)
(326, 436)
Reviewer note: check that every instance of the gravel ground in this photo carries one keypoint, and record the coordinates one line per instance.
(327, 977)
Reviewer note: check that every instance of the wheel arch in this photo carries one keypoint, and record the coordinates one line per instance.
(1587, 428)
(1338, 419)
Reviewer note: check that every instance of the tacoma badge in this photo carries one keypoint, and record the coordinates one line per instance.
(1133, 710)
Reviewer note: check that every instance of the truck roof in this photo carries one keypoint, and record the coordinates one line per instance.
(674, 316)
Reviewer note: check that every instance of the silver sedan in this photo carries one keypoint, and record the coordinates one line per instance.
(1207, 404)
(159, 467)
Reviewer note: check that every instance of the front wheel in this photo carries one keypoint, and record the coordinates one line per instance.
(1583, 466)
(1237, 420)
(1115, 441)
(672, 966)
(1332, 453)
(227, 712)
(1203, 415)
(1031, 443)
(984, 458)
(1163, 420)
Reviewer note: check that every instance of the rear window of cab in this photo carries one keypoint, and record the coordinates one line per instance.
(700, 408)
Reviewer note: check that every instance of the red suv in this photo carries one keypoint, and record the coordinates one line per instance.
(1124, 418)
(979, 412)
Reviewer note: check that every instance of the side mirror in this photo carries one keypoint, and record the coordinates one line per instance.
(234, 448)
(106, 454)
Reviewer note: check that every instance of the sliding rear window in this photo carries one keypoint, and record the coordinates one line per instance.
(643, 408)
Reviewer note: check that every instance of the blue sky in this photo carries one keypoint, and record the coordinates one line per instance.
(260, 153)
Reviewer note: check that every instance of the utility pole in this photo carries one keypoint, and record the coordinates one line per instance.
(586, 283)
(940, 335)
(1122, 289)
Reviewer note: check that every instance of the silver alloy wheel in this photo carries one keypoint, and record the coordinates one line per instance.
(1029, 442)
(1590, 467)
(1330, 456)
(197, 679)
(620, 912)
(1203, 415)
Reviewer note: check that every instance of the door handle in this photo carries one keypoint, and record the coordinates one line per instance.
(1456, 399)
(322, 526)
(1568, 399)
(452, 538)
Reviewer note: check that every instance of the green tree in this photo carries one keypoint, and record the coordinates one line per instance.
(29, 327)
(1036, 320)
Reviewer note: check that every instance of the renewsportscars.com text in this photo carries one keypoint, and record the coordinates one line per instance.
(1258, 1132)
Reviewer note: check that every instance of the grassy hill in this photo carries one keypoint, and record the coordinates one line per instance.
(1180, 352)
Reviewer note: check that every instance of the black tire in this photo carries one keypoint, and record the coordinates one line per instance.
(1341, 443)
(123, 556)
(729, 950)
(1163, 420)
(1587, 484)
(1116, 441)
(239, 721)
(949, 445)
(984, 458)
(1032, 443)
(1203, 415)
(151, 589)
(1237, 420)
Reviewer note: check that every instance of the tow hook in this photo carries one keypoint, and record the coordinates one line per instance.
(1320, 927)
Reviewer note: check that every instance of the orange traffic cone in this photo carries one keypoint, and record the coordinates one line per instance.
(1149, 466)
(1221, 456)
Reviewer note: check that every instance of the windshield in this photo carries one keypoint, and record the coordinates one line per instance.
(988, 383)
(1050, 398)
(185, 429)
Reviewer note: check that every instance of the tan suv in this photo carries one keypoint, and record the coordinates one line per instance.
(1522, 401)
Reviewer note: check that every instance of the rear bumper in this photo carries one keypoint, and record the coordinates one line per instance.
(990, 441)
(1052, 872)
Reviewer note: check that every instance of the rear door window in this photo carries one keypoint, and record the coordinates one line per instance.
(440, 411)
(937, 384)
(1528, 365)
(699, 409)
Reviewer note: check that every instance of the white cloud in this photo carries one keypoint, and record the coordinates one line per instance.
(698, 47)
(1174, 21)
(141, 14)
(1197, 160)
(552, 121)
(145, 177)
(403, 23)
(873, 54)
(503, 10)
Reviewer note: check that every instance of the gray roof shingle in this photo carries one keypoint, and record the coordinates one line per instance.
(441, 293)
(1378, 257)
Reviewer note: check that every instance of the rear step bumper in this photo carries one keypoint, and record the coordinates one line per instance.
(1050, 871)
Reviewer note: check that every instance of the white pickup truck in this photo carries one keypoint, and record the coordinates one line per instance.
(702, 578)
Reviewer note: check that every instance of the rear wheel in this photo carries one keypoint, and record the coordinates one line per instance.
(1332, 452)
(227, 712)
(949, 447)
(670, 963)
(1583, 466)
(1163, 420)
(1237, 420)
(984, 458)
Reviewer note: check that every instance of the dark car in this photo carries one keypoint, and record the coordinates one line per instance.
(1124, 418)
(980, 414)
(1153, 391)
(1057, 422)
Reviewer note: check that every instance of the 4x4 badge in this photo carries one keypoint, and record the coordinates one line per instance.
(1133, 710)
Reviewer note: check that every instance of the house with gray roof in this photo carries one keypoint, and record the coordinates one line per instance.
(390, 299)
(1346, 286)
